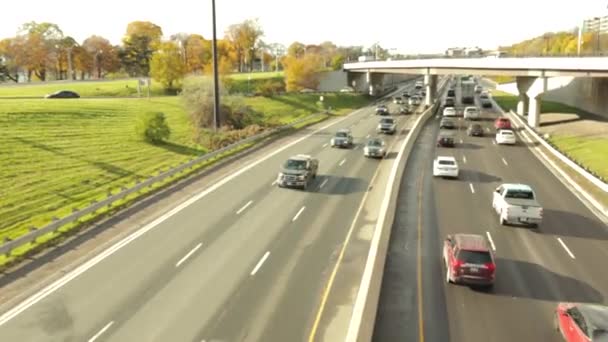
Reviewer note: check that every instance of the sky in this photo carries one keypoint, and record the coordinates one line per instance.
(423, 26)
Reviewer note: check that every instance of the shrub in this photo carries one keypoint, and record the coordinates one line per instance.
(152, 127)
(269, 88)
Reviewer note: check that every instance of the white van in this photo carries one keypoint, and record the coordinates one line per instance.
(471, 113)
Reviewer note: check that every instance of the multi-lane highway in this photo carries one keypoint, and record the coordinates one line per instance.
(242, 261)
(563, 260)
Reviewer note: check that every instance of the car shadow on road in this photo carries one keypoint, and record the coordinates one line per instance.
(336, 185)
(538, 282)
(391, 155)
(470, 146)
(570, 224)
(478, 176)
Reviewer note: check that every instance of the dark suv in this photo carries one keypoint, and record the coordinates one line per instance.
(469, 260)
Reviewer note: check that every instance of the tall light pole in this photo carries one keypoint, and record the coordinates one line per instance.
(216, 86)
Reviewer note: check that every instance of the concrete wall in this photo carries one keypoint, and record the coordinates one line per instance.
(589, 94)
(333, 81)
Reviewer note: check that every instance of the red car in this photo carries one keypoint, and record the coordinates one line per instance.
(469, 260)
(582, 322)
(502, 123)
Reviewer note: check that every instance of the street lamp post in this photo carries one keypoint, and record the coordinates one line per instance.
(216, 86)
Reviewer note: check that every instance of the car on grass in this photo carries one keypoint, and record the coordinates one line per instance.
(445, 166)
(298, 171)
(505, 137)
(63, 94)
(582, 322)
(469, 260)
(475, 130)
(374, 148)
(386, 126)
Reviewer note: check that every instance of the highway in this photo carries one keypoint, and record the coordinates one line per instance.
(242, 261)
(561, 261)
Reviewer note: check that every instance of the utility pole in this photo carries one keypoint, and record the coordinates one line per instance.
(216, 86)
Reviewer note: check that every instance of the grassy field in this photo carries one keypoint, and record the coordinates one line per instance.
(118, 88)
(502, 79)
(60, 155)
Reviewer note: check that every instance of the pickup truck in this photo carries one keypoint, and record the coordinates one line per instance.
(516, 203)
(298, 171)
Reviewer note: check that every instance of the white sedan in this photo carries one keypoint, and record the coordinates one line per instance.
(445, 167)
(449, 112)
(505, 137)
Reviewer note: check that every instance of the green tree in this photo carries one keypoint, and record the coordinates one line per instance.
(337, 62)
(167, 65)
(152, 127)
(296, 49)
(140, 42)
(302, 73)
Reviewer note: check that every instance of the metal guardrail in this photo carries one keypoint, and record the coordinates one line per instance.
(9, 245)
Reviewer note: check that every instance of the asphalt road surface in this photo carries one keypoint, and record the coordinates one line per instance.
(244, 261)
(563, 260)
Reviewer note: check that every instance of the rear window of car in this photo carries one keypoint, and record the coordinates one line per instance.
(506, 133)
(341, 134)
(387, 121)
(471, 110)
(446, 162)
(523, 194)
(474, 257)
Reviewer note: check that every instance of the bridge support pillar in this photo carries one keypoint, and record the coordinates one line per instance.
(522, 104)
(430, 82)
(536, 101)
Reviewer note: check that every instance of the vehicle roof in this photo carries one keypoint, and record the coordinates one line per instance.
(517, 186)
(471, 107)
(471, 242)
(387, 119)
(595, 315)
(447, 158)
(505, 131)
(503, 119)
(301, 157)
(343, 130)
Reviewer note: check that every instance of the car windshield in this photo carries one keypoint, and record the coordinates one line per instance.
(520, 193)
(471, 110)
(294, 164)
(376, 143)
(446, 162)
(474, 257)
(341, 135)
(386, 121)
(476, 127)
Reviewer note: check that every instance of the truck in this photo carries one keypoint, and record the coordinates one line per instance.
(517, 204)
(298, 171)
(467, 90)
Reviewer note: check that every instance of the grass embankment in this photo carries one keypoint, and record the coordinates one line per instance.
(122, 88)
(502, 79)
(57, 155)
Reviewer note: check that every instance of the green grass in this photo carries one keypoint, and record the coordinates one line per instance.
(120, 88)
(502, 79)
(60, 155)
(591, 152)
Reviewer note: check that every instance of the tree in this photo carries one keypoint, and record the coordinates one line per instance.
(197, 95)
(244, 37)
(83, 62)
(198, 53)
(104, 55)
(167, 65)
(337, 62)
(302, 73)
(152, 127)
(38, 46)
(296, 49)
(140, 42)
(9, 69)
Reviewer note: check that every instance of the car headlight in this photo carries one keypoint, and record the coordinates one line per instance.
(301, 177)
(366, 149)
(281, 175)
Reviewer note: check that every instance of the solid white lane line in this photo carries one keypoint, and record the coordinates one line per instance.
(491, 241)
(325, 145)
(566, 248)
(298, 214)
(525, 135)
(181, 261)
(472, 188)
(244, 207)
(504, 161)
(464, 159)
(273, 183)
(260, 263)
(493, 142)
(96, 336)
(46, 291)
(342, 162)
(323, 184)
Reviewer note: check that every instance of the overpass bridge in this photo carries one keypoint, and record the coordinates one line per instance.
(534, 76)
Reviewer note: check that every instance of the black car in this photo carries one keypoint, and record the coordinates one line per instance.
(445, 140)
(63, 94)
(447, 123)
(486, 103)
(451, 93)
(475, 130)
(449, 102)
(406, 95)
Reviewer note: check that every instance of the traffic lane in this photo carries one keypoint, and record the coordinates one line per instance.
(473, 314)
(136, 268)
(146, 320)
(299, 268)
(281, 304)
